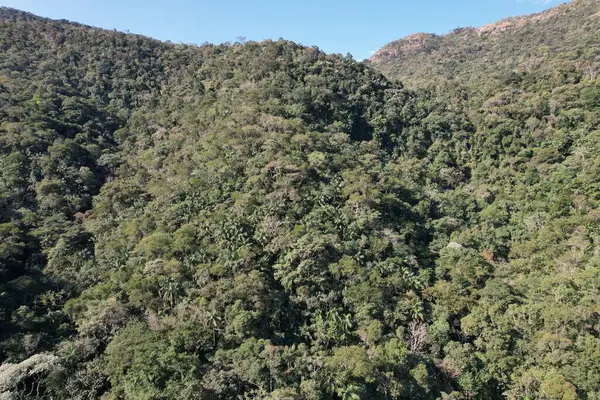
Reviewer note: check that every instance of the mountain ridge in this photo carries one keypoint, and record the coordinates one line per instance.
(498, 44)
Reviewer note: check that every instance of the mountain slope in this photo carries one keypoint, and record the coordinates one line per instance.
(263, 220)
(560, 43)
(530, 90)
(196, 221)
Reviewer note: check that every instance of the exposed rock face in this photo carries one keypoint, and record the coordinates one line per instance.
(412, 43)
(13, 376)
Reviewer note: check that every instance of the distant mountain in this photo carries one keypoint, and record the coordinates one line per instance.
(563, 40)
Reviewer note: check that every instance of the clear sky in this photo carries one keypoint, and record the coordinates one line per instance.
(358, 27)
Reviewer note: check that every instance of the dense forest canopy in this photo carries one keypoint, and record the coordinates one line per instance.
(266, 221)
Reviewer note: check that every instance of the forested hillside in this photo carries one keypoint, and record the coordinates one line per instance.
(561, 44)
(530, 89)
(266, 221)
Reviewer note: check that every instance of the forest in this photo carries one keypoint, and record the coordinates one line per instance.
(262, 220)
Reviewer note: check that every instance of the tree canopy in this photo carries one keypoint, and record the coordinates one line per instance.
(267, 221)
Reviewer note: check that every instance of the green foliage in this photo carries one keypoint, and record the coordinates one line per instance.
(522, 203)
(142, 365)
(265, 221)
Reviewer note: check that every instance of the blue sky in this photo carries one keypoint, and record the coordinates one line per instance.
(352, 26)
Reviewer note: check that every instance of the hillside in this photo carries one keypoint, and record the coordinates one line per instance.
(266, 221)
(529, 88)
(561, 43)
